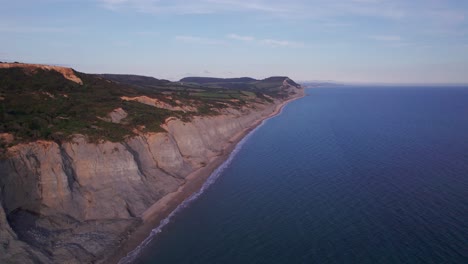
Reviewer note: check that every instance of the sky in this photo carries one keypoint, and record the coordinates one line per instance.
(385, 41)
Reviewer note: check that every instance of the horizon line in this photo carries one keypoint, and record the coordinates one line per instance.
(331, 82)
(382, 83)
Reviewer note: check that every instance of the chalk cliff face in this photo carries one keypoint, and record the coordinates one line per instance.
(75, 202)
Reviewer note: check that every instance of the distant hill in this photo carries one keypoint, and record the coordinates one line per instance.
(208, 80)
(273, 86)
(137, 80)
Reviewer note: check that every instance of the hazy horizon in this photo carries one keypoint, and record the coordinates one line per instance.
(347, 41)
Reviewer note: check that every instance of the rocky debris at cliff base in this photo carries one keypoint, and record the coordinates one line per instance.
(13, 250)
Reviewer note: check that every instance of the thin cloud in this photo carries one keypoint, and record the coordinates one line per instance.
(392, 41)
(266, 42)
(115, 1)
(239, 37)
(400, 44)
(263, 6)
(392, 38)
(122, 44)
(435, 14)
(281, 43)
(15, 29)
(147, 33)
(197, 40)
(248, 39)
(193, 7)
(291, 9)
(367, 1)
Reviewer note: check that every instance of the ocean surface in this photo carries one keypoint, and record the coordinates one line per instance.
(344, 175)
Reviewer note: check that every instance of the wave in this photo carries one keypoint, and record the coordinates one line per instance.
(211, 179)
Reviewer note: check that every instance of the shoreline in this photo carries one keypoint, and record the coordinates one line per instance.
(154, 216)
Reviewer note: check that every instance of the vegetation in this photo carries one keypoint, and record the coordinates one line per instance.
(42, 104)
(272, 86)
(45, 105)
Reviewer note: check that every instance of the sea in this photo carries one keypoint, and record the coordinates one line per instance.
(348, 174)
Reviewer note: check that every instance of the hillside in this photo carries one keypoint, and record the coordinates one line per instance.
(54, 103)
(276, 87)
(210, 80)
(141, 82)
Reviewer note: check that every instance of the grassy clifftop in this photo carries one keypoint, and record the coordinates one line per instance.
(41, 103)
(272, 86)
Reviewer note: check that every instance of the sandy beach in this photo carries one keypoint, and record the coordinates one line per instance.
(153, 216)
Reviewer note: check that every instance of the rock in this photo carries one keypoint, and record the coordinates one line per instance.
(13, 250)
(117, 115)
(160, 104)
(6, 138)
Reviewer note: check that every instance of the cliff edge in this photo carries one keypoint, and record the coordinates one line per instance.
(68, 73)
(77, 197)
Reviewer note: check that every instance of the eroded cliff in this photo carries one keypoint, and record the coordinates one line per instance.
(75, 202)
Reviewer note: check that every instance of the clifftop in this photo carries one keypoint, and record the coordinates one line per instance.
(68, 73)
(273, 86)
(55, 103)
(208, 80)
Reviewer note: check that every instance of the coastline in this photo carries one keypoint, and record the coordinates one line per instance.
(154, 216)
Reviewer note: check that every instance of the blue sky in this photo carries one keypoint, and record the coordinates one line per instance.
(395, 41)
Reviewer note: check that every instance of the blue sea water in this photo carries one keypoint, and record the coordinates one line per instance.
(344, 175)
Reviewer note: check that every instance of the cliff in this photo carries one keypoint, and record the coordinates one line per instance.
(76, 201)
